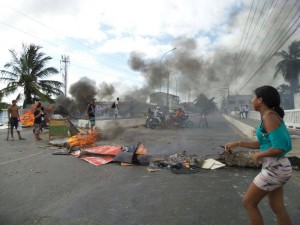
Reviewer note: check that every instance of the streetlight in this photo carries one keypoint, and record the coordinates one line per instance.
(160, 64)
(174, 76)
(167, 103)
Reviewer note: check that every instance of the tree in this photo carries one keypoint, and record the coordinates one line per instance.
(285, 95)
(202, 103)
(26, 75)
(289, 67)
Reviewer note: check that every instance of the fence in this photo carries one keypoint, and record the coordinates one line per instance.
(291, 118)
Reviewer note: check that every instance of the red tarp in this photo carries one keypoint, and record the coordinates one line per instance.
(106, 154)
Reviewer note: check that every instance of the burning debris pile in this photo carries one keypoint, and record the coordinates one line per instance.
(83, 139)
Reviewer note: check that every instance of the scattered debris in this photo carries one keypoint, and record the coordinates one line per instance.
(242, 158)
(98, 155)
(295, 162)
(62, 151)
(59, 142)
(153, 169)
(179, 163)
(212, 164)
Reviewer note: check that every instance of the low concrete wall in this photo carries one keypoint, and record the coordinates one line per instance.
(247, 130)
(122, 122)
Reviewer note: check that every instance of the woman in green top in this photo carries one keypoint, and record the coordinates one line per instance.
(274, 142)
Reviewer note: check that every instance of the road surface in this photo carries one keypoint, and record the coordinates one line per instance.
(40, 188)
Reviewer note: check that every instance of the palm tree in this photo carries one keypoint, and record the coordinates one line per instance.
(205, 104)
(26, 75)
(289, 67)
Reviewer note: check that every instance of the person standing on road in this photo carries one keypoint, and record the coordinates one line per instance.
(91, 113)
(43, 121)
(13, 119)
(246, 111)
(241, 111)
(116, 108)
(274, 143)
(38, 114)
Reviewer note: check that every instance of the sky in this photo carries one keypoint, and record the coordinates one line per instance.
(128, 45)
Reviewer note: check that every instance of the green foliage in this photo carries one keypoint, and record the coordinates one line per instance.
(289, 67)
(204, 104)
(27, 75)
(285, 95)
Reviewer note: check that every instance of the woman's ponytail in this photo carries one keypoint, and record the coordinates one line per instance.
(279, 110)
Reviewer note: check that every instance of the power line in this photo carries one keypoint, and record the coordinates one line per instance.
(273, 36)
(85, 68)
(269, 48)
(271, 26)
(242, 54)
(240, 49)
(73, 39)
(51, 42)
(266, 19)
(98, 72)
(273, 41)
(248, 52)
(274, 51)
(235, 61)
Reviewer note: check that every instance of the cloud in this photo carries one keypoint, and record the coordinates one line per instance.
(99, 36)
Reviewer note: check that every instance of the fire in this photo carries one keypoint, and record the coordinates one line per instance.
(83, 139)
(27, 119)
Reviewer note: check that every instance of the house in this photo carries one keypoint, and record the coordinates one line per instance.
(161, 98)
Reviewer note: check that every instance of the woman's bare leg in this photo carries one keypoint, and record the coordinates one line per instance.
(251, 199)
(277, 205)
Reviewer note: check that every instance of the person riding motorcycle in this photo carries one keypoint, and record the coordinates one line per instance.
(158, 114)
(179, 115)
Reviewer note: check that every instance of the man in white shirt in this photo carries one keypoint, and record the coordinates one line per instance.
(157, 114)
(116, 108)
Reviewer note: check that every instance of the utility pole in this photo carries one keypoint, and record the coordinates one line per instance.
(168, 92)
(64, 62)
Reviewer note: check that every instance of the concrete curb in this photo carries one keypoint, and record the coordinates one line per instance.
(247, 130)
(101, 124)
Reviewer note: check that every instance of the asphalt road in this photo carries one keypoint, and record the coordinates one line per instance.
(40, 188)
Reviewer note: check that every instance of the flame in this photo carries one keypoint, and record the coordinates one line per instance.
(83, 139)
(27, 119)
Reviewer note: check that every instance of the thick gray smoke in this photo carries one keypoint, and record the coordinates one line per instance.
(193, 72)
(112, 130)
(83, 91)
(105, 91)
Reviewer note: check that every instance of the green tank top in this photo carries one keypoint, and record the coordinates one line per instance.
(278, 138)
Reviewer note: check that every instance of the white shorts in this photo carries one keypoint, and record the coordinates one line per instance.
(274, 174)
(116, 111)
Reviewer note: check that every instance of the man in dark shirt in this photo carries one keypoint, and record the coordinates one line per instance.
(91, 113)
(38, 113)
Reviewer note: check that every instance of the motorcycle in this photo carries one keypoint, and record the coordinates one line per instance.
(186, 122)
(149, 117)
(182, 122)
(154, 122)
